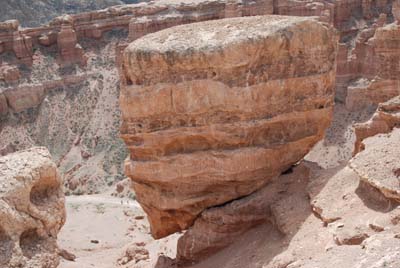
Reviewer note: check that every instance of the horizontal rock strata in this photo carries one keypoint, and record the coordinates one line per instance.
(21, 98)
(66, 31)
(376, 55)
(214, 111)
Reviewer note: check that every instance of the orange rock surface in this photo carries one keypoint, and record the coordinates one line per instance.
(214, 111)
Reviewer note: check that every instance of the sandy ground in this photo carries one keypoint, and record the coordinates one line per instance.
(110, 221)
(337, 147)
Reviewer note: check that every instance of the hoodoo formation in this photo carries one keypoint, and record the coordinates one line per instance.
(213, 111)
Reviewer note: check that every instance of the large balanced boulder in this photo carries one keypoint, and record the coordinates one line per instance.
(32, 209)
(214, 110)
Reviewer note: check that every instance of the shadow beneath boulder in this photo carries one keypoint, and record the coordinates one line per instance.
(374, 199)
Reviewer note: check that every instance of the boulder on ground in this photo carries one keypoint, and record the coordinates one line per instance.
(32, 209)
(214, 110)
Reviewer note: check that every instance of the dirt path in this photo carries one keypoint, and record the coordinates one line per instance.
(101, 199)
(99, 228)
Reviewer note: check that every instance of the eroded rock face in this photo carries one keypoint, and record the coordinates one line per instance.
(214, 111)
(383, 121)
(378, 164)
(9, 73)
(31, 209)
(70, 50)
(218, 227)
(378, 78)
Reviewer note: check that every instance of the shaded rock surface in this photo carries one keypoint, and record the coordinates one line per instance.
(32, 209)
(330, 219)
(206, 124)
(218, 227)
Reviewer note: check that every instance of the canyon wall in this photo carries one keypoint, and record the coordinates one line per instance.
(67, 30)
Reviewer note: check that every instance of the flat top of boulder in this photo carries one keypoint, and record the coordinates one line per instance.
(379, 164)
(216, 34)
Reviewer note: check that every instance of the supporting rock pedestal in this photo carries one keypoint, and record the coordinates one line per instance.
(216, 109)
(32, 209)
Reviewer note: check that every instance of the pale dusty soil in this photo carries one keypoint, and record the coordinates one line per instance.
(103, 218)
(362, 232)
(338, 145)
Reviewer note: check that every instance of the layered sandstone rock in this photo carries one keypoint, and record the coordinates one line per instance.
(24, 97)
(214, 111)
(31, 209)
(19, 99)
(377, 55)
(383, 121)
(70, 50)
(322, 9)
(22, 47)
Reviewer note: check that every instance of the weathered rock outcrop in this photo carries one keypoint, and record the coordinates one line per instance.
(378, 165)
(218, 227)
(377, 56)
(173, 13)
(383, 121)
(67, 41)
(9, 74)
(21, 98)
(214, 111)
(67, 30)
(31, 209)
